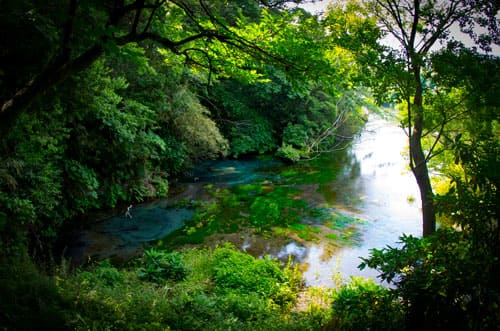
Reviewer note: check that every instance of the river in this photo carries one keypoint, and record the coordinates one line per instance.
(383, 191)
(369, 182)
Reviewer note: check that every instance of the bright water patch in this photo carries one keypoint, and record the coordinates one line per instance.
(292, 249)
(376, 185)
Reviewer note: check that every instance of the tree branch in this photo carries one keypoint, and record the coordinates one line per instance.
(138, 12)
(68, 30)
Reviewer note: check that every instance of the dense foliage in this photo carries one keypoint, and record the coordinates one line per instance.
(105, 103)
(216, 289)
(117, 128)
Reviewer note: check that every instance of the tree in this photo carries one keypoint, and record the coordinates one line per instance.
(99, 105)
(417, 25)
(309, 114)
(44, 42)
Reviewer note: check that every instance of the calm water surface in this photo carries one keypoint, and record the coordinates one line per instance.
(382, 191)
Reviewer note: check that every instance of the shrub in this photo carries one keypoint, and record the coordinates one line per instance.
(104, 273)
(444, 280)
(288, 152)
(29, 299)
(237, 272)
(363, 305)
(157, 266)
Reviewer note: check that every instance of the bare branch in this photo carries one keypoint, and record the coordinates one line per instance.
(414, 25)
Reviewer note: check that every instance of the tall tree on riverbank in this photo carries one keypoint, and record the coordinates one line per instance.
(418, 26)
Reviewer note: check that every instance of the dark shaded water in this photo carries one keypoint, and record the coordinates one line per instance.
(368, 181)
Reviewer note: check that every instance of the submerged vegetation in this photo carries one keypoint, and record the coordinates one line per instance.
(108, 103)
(269, 209)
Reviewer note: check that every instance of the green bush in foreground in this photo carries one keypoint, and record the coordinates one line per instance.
(363, 305)
(159, 265)
(220, 289)
(29, 299)
(240, 273)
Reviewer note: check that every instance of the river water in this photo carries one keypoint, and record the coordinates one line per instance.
(382, 191)
(368, 181)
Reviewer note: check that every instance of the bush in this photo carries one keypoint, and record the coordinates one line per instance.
(157, 266)
(104, 273)
(444, 280)
(363, 305)
(243, 273)
(254, 295)
(237, 272)
(288, 152)
(29, 299)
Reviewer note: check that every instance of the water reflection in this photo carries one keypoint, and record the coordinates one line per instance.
(379, 187)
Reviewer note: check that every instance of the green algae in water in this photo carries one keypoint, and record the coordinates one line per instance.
(242, 206)
(351, 236)
(340, 221)
(321, 170)
(347, 231)
(268, 205)
(290, 173)
(332, 236)
(251, 189)
(306, 232)
(336, 220)
(277, 208)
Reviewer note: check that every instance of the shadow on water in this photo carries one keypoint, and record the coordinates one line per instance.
(325, 212)
(123, 236)
(234, 172)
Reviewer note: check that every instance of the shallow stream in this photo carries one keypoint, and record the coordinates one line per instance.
(326, 212)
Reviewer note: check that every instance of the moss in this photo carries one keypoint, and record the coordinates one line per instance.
(305, 232)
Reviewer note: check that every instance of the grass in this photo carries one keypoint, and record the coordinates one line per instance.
(223, 290)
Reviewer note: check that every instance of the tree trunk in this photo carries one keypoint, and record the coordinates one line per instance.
(418, 162)
(421, 173)
(415, 320)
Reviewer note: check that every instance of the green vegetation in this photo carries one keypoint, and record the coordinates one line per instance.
(106, 103)
(363, 305)
(195, 290)
(158, 266)
(268, 209)
(114, 116)
(220, 289)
